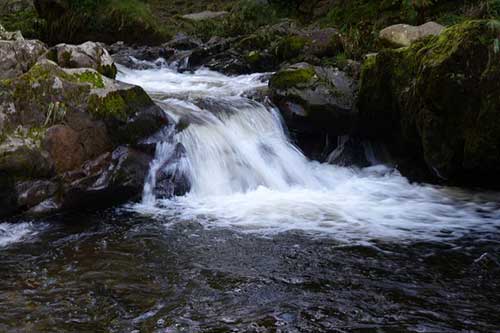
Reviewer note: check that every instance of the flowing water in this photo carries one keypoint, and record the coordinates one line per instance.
(264, 241)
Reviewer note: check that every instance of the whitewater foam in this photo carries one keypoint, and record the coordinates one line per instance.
(245, 174)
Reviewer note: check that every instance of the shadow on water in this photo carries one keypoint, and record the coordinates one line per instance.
(121, 272)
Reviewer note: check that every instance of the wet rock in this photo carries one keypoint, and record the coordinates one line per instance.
(57, 123)
(183, 42)
(436, 104)
(110, 179)
(139, 57)
(32, 193)
(349, 152)
(314, 99)
(87, 55)
(170, 181)
(8, 195)
(401, 35)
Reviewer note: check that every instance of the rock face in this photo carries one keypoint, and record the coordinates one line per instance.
(315, 100)
(401, 35)
(436, 103)
(71, 138)
(87, 55)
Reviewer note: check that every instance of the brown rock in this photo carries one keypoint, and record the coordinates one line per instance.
(64, 146)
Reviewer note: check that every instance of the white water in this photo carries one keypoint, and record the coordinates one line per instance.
(246, 175)
(15, 232)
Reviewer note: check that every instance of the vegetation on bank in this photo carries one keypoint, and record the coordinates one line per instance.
(156, 21)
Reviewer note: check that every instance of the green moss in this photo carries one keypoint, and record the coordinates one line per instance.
(291, 78)
(111, 106)
(291, 47)
(253, 57)
(94, 78)
(109, 71)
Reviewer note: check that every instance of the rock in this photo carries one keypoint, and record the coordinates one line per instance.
(317, 104)
(401, 35)
(436, 104)
(140, 57)
(63, 146)
(87, 55)
(315, 98)
(205, 15)
(111, 179)
(64, 126)
(8, 195)
(32, 193)
(183, 42)
(10, 36)
(22, 157)
(18, 55)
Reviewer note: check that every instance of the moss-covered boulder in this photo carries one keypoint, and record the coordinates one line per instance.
(55, 121)
(315, 100)
(437, 103)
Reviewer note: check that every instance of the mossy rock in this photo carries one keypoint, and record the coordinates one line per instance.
(292, 77)
(434, 100)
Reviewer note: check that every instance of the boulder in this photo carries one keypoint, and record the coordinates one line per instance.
(17, 54)
(87, 55)
(67, 135)
(10, 36)
(436, 103)
(317, 104)
(401, 35)
(140, 57)
(110, 179)
(315, 98)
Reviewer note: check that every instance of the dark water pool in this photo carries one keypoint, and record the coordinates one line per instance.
(119, 272)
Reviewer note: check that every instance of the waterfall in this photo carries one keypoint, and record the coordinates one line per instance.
(230, 163)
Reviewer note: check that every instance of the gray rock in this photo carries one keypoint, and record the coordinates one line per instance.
(18, 56)
(87, 55)
(401, 35)
(315, 98)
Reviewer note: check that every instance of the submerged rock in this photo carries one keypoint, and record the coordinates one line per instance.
(436, 103)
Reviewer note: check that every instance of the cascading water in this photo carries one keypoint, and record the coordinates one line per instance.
(244, 173)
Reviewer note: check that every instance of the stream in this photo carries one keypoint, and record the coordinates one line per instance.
(264, 241)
